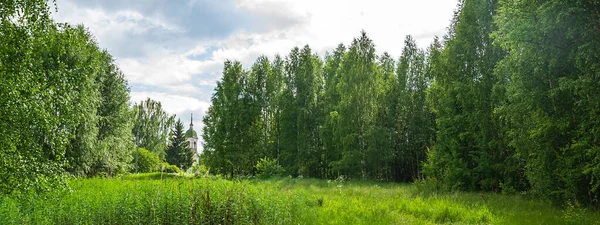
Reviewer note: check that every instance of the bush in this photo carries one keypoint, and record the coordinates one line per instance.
(146, 161)
(168, 168)
(266, 168)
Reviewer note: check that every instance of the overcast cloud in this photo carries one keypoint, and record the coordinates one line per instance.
(173, 50)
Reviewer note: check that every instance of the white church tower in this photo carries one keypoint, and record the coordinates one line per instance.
(192, 138)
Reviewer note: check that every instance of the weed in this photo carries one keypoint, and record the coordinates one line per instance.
(573, 213)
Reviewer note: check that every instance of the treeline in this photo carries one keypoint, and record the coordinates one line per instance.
(353, 114)
(64, 107)
(507, 101)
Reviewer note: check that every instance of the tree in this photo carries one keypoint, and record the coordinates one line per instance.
(259, 82)
(380, 151)
(147, 161)
(115, 139)
(552, 102)
(300, 113)
(103, 140)
(48, 95)
(289, 115)
(414, 123)
(178, 152)
(227, 123)
(331, 151)
(466, 154)
(64, 102)
(357, 97)
(275, 86)
(151, 126)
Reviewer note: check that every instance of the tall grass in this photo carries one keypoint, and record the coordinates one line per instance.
(148, 199)
(368, 202)
(172, 199)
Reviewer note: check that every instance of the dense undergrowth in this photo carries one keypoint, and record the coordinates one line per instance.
(171, 199)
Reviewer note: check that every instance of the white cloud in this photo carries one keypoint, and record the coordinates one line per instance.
(335, 21)
(110, 28)
(328, 23)
(162, 69)
(171, 103)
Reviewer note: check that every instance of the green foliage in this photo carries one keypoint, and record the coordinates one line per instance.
(412, 120)
(64, 102)
(168, 168)
(469, 152)
(151, 126)
(343, 116)
(330, 138)
(229, 132)
(266, 168)
(199, 170)
(103, 139)
(574, 213)
(146, 161)
(115, 140)
(179, 152)
(31, 138)
(551, 81)
(300, 112)
(357, 89)
(508, 102)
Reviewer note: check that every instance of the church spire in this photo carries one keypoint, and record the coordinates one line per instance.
(191, 120)
(190, 133)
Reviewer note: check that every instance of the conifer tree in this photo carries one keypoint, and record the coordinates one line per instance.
(179, 152)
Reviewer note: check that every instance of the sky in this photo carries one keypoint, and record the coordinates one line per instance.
(173, 50)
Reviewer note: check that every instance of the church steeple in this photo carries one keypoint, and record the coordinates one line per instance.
(191, 133)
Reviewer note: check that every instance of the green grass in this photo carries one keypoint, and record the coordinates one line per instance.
(171, 199)
(367, 202)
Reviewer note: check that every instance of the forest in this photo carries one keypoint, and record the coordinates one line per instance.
(508, 101)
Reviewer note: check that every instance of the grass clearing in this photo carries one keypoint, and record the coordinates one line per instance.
(171, 199)
(367, 202)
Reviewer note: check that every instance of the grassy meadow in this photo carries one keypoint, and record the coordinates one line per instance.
(171, 199)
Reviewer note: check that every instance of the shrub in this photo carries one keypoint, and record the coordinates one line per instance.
(266, 168)
(146, 161)
(574, 213)
(168, 168)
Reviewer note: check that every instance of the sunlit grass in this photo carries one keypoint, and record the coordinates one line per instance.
(368, 202)
(174, 199)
